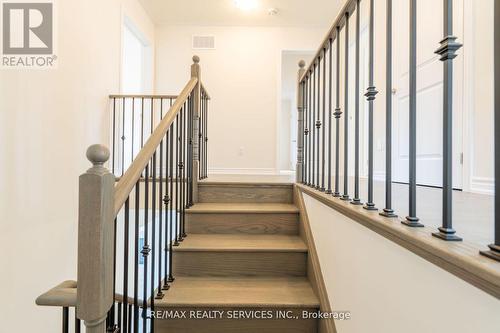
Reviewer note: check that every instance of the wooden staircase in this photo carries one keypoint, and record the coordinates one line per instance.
(243, 256)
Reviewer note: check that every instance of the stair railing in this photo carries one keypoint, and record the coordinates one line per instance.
(324, 165)
(128, 226)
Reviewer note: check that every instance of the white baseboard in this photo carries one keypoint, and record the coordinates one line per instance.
(242, 171)
(482, 185)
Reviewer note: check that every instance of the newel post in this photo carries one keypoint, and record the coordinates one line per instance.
(196, 73)
(95, 292)
(300, 124)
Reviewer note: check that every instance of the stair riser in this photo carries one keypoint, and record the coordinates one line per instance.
(225, 325)
(232, 264)
(241, 223)
(245, 193)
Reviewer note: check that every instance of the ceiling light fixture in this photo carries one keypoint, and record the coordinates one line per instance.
(273, 11)
(246, 4)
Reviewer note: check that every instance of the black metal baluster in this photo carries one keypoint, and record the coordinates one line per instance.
(171, 202)
(337, 115)
(177, 175)
(125, 263)
(183, 171)
(412, 220)
(323, 134)
(136, 255)
(145, 250)
(119, 315)
(310, 131)
(318, 126)
(447, 51)
(345, 196)
(356, 200)
(494, 252)
(166, 201)
(153, 223)
(114, 135)
(388, 211)
(305, 132)
(330, 114)
(314, 128)
(65, 320)
(161, 200)
(200, 135)
(371, 92)
(206, 138)
(78, 324)
(123, 136)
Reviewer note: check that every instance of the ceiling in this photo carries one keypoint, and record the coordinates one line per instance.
(312, 13)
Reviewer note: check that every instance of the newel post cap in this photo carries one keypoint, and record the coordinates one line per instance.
(302, 64)
(98, 155)
(196, 59)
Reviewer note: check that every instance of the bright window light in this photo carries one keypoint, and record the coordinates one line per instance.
(246, 4)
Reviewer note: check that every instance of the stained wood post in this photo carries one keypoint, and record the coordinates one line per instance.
(300, 124)
(95, 292)
(196, 73)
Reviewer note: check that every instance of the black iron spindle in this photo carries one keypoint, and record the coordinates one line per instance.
(494, 252)
(183, 171)
(337, 114)
(318, 126)
(166, 201)
(177, 182)
(145, 250)
(447, 51)
(306, 129)
(136, 255)
(323, 123)
(371, 92)
(412, 220)
(311, 129)
(78, 324)
(330, 114)
(123, 135)
(388, 211)
(314, 128)
(173, 231)
(65, 320)
(356, 200)
(345, 196)
(125, 262)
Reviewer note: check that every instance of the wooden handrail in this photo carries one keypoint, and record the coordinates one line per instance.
(348, 7)
(133, 173)
(144, 96)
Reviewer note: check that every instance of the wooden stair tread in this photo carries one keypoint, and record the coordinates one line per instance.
(292, 292)
(242, 243)
(264, 208)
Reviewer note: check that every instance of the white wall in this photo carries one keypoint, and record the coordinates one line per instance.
(388, 288)
(48, 120)
(243, 78)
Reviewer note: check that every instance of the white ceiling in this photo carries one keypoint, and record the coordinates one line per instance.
(312, 13)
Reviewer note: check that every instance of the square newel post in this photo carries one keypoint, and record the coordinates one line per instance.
(196, 73)
(95, 291)
(300, 123)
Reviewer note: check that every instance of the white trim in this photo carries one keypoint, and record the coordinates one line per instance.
(242, 171)
(482, 185)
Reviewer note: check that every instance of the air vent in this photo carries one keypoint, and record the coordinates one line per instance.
(203, 42)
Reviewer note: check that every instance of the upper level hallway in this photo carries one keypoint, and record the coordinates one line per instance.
(292, 137)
